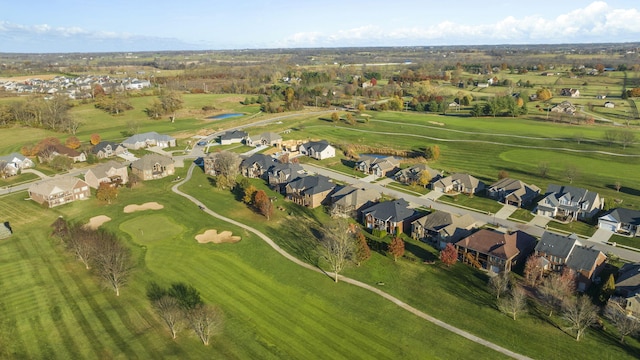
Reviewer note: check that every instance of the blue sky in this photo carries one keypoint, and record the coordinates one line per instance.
(142, 25)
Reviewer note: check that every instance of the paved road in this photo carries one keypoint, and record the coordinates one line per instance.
(375, 290)
(597, 242)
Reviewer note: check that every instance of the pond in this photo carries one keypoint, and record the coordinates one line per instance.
(225, 116)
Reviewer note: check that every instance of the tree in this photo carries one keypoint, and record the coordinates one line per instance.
(503, 174)
(449, 255)
(206, 321)
(396, 248)
(424, 178)
(580, 313)
(533, 270)
(115, 103)
(515, 303)
(61, 162)
(335, 117)
(95, 139)
(627, 137)
(337, 246)
(60, 228)
(263, 203)
(113, 262)
(171, 102)
(543, 94)
(83, 242)
(154, 110)
(249, 193)
(226, 165)
(499, 284)
(543, 169)
(625, 324)
(608, 288)
(72, 142)
(435, 152)
(618, 185)
(106, 192)
(571, 172)
(169, 311)
(556, 288)
(350, 119)
(363, 251)
(611, 136)
(188, 297)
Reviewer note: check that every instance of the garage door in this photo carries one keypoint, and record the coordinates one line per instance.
(607, 226)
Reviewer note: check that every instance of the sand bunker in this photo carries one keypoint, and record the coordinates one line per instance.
(146, 206)
(96, 221)
(214, 237)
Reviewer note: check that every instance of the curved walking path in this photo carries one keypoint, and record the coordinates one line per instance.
(377, 291)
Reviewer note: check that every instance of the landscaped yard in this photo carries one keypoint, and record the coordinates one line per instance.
(409, 189)
(578, 227)
(523, 215)
(633, 242)
(474, 202)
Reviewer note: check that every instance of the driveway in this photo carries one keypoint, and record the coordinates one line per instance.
(506, 211)
(601, 236)
(128, 156)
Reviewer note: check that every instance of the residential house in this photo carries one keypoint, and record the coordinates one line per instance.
(495, 251)
(621, 220)
(5, 230)
(111, 172)
(376, 165)
(513, 192)
(461, 183)
(59, 190)
(350, 200)
(256, 165)
(279, 174)
(627, 292)
(412, 174)
(264, 139)
(233, 137)
(148, 139)
(393, 216)
(107, 149)
(209, 163)
(153, 166)
(570, 92)
(564, 107)
(51, 151)
(309, 191)
(609, 105)
(569, 203)
(318, 150)
(441, 227)
(567, 251)
(14, 163)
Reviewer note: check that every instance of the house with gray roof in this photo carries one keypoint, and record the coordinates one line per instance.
(256, 165)
(264, 139)
(567, 251)
(140, 141)
(309, 191)
(441, 227)
(379, 166)
(111, 172)
(513, 192)
(59, 190)
(569, 203)
(106, 149)
(279, 174)
(318, 150)
(233, 137)
(14, 163)
(153, 166)
(458, 183)
(621, 220)
(393, 216)
(350, 200)
(627, 292)
(412, 174)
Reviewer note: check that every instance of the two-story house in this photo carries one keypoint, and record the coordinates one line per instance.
(569, 203)
(513, 192)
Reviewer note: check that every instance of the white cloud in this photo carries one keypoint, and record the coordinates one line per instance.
(597, 22)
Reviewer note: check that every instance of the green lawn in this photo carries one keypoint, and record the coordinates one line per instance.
(409, 189)
(577, 227)
(523, 215)
(633, 242)
(474, 202)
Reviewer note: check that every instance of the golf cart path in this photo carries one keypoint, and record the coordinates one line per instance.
(299, 262)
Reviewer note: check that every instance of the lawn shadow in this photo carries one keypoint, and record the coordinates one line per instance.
(300, 238)
(624, 190)
(419, 252)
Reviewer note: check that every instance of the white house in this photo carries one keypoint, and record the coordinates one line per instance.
(318, 150)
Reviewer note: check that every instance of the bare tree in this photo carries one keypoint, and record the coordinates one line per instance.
(499, 284)
(556, 288)
(338, 246)
(170, 312)
(627, 137)
(533, 270)
(610, 136)
(580, 313)
(82, 242)
(571, 172)
(113, 262)
(618, 185)
(206, 321)
(625, 324)
(227, 165)
(543, 169)
(515, 303)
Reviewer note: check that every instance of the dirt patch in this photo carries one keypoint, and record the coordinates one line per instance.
(146, 206)
(436, 123)
(96, 221)
(213, 236)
